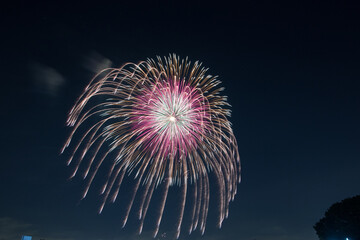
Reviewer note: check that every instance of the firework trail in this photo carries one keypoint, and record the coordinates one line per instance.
(164, 122)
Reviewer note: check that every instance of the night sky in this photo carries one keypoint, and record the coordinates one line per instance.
(291, 72)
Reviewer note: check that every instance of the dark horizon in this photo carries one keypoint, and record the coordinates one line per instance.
(291, 74)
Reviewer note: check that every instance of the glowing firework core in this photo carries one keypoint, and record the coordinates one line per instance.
(172, 113)
(172, 119)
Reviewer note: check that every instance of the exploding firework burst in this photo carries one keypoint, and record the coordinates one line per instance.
(164, 122)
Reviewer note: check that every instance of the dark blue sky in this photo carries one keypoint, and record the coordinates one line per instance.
(291, 72)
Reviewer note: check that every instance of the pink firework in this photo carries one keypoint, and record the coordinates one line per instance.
(167, 124)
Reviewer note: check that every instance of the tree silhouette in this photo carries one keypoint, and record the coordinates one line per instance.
(341, 221)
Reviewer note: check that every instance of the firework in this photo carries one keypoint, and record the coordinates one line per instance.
(163, 122)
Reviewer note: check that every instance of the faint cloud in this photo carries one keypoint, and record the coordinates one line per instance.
(11, 229)
(95, 62)
(46, 79)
